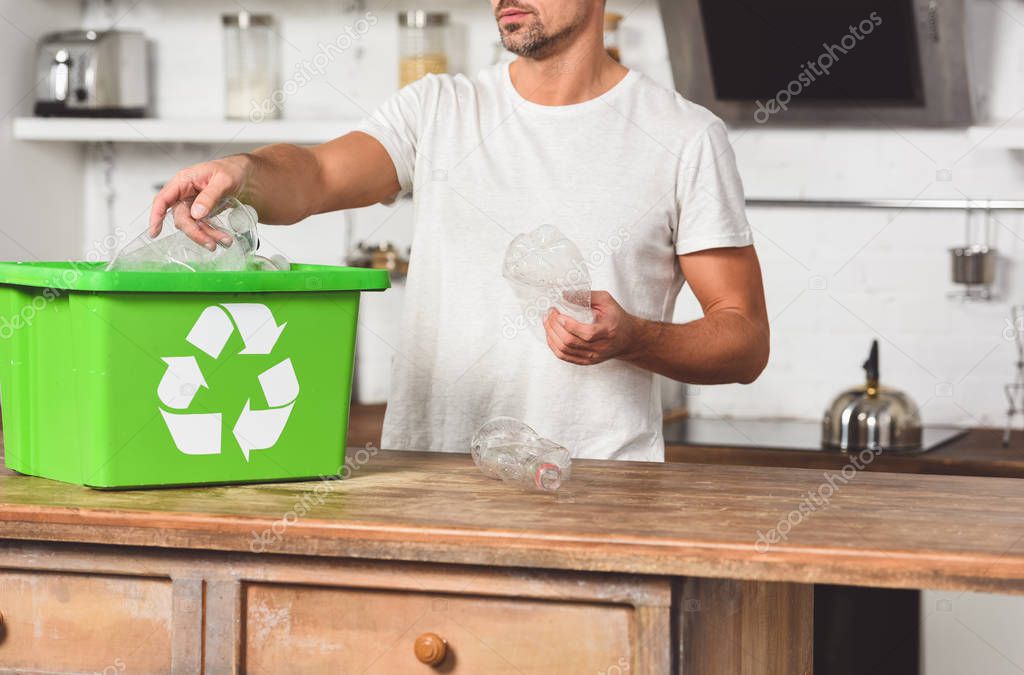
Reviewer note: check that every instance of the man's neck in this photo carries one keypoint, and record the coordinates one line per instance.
(581, 72)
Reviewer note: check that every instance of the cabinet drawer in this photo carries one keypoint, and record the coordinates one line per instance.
(291, 628)
(76, 623)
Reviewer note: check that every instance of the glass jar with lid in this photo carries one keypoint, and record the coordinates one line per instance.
(251, 67)
(423, 44)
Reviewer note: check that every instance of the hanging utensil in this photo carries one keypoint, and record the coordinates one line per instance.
(974, 264)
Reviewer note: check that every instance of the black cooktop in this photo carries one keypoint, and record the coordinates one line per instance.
(774, 434)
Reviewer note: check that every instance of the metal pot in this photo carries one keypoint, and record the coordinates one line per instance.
(872, 417)
(974, 265)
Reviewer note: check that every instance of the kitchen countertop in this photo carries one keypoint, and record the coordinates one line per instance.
(886, 530)
(979, 453)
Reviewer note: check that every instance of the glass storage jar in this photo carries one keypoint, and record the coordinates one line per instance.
(251, 67)
(423, 44)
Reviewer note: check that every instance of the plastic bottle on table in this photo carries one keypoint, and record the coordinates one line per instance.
(506, 449)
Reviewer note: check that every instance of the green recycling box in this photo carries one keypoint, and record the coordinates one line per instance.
(135, 379)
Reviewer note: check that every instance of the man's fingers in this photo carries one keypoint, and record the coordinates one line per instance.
(198, 189)
(195, 231)
(564, 336)
(580, 356)
(587, 332)
(565, 355)
(163, 201)
(222, 237)
(170, 194)
(156, 218)
(209, 230)
(218, 187)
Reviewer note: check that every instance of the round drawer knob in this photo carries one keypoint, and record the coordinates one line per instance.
(430, 648)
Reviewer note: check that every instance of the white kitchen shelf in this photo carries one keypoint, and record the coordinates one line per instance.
(179, 130)
(1009, 136)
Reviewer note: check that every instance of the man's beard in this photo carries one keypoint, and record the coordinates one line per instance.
(532, 40)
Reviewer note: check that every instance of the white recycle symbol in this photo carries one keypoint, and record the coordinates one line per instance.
(200, 433)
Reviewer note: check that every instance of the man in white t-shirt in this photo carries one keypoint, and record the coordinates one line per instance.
(643, 181)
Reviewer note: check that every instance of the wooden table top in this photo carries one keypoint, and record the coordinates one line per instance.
(877, 529)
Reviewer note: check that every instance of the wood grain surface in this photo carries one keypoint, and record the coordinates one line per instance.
(734, 627)
(499, 636)
(250, 613)
(887, 530)
(56, 617)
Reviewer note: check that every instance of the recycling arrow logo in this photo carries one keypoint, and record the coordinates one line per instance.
(255, 429)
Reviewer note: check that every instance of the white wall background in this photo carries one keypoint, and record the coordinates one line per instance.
(886, 274)
(40, 185)
(971, 634)
(835, 279)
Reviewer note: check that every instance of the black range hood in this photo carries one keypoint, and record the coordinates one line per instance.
(857, 62)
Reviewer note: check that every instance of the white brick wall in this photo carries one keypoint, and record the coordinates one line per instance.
(885, 273)
(39, 184)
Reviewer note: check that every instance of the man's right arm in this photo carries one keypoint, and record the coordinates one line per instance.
(284, 183)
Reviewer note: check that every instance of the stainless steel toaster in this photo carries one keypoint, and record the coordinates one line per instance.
(89, 73)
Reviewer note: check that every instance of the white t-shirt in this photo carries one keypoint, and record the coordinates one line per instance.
(634, 177)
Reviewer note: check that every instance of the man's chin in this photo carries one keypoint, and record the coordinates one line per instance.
(512, 45)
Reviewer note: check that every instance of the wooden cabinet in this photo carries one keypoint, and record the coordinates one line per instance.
(70, 622)
(118, 610)
(663, 566)
(314, 630)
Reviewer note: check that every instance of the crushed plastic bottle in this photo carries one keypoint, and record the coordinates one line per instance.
(506, 449)
(273, 263)
(173, 250)
(546, 270)
(544, 262)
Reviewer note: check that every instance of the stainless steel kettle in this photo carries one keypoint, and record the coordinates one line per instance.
(872, 417)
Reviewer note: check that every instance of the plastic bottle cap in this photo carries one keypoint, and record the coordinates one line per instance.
(549, 477)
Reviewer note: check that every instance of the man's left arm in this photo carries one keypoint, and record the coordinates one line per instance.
(730, 343)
